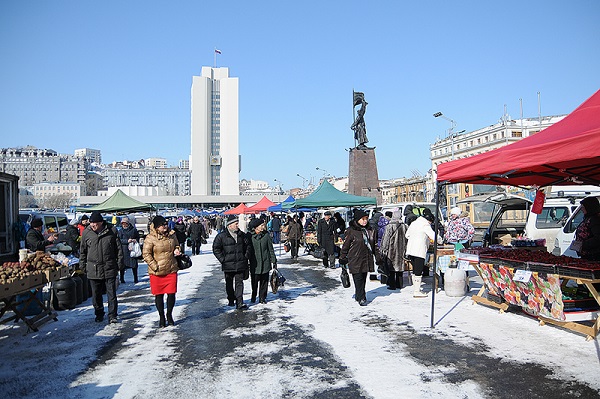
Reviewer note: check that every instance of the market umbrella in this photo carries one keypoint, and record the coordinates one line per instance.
(260, 206)
(238, 210)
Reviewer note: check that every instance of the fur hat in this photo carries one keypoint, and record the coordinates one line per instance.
(36, 222)
(96, 217)
(254, 223)
(455, 211)
(591, 205)
(158, 221)
(359, 214)
(231, 219)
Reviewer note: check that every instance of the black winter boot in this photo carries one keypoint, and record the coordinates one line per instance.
(400, 280)
(160, 307)
(135, 275)
(170, 306)
(122, 273)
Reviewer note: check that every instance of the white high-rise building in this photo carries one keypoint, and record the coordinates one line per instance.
(215, 159)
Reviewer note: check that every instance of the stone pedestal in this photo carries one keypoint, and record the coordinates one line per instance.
(363, 178)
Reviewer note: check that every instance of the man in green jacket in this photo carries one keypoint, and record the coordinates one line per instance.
(261, 259)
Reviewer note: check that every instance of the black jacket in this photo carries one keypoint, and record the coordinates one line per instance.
(35, 240)
(72, 236)
(180, 232)
(196, 230)
(356, 253)
(326, 235)
(233, 255)
(100, 254)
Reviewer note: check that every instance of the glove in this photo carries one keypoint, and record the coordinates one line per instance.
(343, 262)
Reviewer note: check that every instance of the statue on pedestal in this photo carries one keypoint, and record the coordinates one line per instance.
(360, 130)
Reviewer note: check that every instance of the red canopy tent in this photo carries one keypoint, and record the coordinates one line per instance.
(260, 206)
(566, 153)
(241, 208)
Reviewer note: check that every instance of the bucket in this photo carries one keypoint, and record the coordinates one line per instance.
(78, 288)
(65, 294)
(455, 282)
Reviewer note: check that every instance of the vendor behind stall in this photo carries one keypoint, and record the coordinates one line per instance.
(35, 239)
(587, 235)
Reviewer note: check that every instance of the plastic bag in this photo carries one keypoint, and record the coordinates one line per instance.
(135, 251)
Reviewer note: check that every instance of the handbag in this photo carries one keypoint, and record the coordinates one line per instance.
(203, 240)
(318, 253)
(287, 246)
(183, 262)
(277, 280)
(345, 277)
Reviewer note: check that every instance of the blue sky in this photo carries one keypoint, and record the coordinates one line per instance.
(116, 75)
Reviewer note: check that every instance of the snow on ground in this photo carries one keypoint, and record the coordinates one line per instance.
(359, 337)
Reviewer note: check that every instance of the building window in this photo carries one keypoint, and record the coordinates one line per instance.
(517, 134)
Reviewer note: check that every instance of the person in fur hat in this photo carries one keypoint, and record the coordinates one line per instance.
(360, 246)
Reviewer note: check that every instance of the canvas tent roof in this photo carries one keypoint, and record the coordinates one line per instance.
(278, 207)
(118, 202)
(241, 208)
(326, 195)
(260, 206)
(566, 153)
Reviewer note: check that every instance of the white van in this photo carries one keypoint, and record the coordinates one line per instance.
(565, 236)
(55, 220)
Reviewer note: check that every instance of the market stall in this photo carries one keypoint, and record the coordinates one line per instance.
(566, 153)
(21, 284)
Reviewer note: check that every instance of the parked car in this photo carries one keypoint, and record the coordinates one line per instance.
(565, 236)
(507, 217)
(55, 220)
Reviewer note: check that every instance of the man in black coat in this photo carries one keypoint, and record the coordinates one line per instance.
(35, 239)
(232, 248)
(326, 238)
(196, 232)
(101, 258)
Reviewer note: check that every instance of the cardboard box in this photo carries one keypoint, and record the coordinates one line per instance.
(51, 275)
(22, 285)
(35, 280)
(7, 289)
(505, 239)
(64, 271)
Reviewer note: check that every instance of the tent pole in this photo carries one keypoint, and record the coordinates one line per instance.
(435, 245)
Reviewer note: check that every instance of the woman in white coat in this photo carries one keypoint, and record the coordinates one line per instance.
(419, 235)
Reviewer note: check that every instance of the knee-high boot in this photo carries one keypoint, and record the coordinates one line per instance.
(160, 307)
(122, 273)
(135, 275)
(170, 306)
(400, 280)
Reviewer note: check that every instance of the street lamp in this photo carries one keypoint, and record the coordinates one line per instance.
(325, 173)
(450, 131)
(304, 180)
(279, 190)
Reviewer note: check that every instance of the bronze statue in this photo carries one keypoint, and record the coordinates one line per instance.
(360, 130)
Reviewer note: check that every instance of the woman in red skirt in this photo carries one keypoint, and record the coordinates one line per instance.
(159, 251)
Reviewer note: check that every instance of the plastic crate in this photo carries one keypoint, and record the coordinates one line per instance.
(570, 271)
(542, 267)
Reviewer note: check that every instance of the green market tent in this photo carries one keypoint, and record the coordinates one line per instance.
(118, 202)
(326, 195)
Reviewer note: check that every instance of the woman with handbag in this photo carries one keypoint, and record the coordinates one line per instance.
(160, 248)
(262, 259)
(128, 234)
(357, 253)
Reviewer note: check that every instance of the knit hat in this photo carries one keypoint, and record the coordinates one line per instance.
(359, 214)
(427, 214)
(591, 205)
(254, 223)
(158, 221)
(96, 217)
(84, 217)
(231, 219)
(36, 222)
(327, 213)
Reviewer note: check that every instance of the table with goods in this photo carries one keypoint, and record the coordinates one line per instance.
(559, 290)
(21, 285)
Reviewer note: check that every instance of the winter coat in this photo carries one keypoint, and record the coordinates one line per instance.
(393, 244)
(276, 224)
(263, 254)
(418, 234)
(72, 237)
(100, 253)
(232, 254)
(294, 230)
(196, 230)
(459, 230)
(588, 232)
(383, 221)
(326, 235)
(355, 252)
(158, 252)
(124, 236)
(35, 240)
(180, 232)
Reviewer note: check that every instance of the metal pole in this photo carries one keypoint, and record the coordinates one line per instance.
(435, 240)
